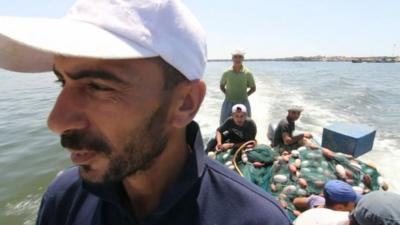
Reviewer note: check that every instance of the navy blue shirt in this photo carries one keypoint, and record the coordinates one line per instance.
(206, 193)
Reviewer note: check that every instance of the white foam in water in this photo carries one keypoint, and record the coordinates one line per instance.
(25, 209)
(385, 156)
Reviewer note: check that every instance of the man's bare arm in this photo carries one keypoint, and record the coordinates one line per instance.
(222, 87)
(251, 91)
(219, 138)
(287, 140)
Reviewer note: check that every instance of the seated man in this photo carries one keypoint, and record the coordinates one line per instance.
(283, 137)
(235, 131)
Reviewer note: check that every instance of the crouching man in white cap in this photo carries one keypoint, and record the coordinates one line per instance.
(284, 140)
(130, 73)
(236, 130)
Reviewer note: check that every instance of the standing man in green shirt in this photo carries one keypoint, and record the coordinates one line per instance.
(237, 83)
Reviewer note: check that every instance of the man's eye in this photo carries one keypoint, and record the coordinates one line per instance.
(97, 87)
(60, 82)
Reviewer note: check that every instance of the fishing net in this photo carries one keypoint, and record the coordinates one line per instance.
(300, 173)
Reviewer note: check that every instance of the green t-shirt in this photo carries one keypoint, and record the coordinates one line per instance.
(236, 84)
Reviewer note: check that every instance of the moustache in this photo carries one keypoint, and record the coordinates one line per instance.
(79, 140)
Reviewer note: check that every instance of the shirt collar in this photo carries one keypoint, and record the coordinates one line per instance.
(191, 173)
(241, 69)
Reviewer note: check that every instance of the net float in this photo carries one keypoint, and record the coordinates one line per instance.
(297, 163)
(328, 153)
(244, 157)
(302, 182)
(349, 173)
(295, 153)
(367, 180)
(289, 189)
(258, 164)
(211, 155)
(340, 171)
(228, 163)
(273, 187)
(292, 168)
(280, 178)
(301, 192)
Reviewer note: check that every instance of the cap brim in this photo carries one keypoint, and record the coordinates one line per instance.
(235, 53)
(29, 44)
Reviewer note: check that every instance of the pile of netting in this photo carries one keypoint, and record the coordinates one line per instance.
(300, 173)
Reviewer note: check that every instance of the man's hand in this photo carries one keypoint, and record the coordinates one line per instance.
(223, 147)
(308, 135)
(227, 145)
(218, 147)
(222, 87)
(251, 91)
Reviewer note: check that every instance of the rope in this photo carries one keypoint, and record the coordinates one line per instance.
(241, 148)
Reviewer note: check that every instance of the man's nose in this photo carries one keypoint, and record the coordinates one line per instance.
(68, 112)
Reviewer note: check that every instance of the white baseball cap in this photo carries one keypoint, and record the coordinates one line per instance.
(239, 107)
(107, 29)
(238, 52)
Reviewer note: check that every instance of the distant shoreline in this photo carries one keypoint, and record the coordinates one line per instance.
(354, 59)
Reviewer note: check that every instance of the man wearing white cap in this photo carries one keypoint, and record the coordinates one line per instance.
(235, 131)
(237, 83)
(131, 74)
(284, 140)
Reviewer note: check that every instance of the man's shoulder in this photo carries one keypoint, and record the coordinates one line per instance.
(247, 71)
(227, 123)
(60, 196)
(66, 185)
(250, 121)
(283, 122)
(245, 201)
(227, 72)
(64, 180)
(229, 69)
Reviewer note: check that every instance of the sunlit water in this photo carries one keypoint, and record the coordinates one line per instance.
(30, 155)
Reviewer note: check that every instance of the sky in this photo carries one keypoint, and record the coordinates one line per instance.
(272, 29)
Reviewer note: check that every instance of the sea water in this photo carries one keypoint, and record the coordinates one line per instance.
(366, 93)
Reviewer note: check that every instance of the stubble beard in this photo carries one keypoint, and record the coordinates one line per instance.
(143, 145)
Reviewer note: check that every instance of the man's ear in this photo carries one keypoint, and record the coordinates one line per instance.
(188, 98)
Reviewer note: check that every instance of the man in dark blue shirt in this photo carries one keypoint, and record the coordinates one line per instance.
(205, 193)
(130, 73)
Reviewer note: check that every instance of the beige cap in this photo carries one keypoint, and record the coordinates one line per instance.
(238, 52)
(296, 108)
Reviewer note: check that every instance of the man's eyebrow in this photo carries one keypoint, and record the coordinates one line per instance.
(97, 74)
